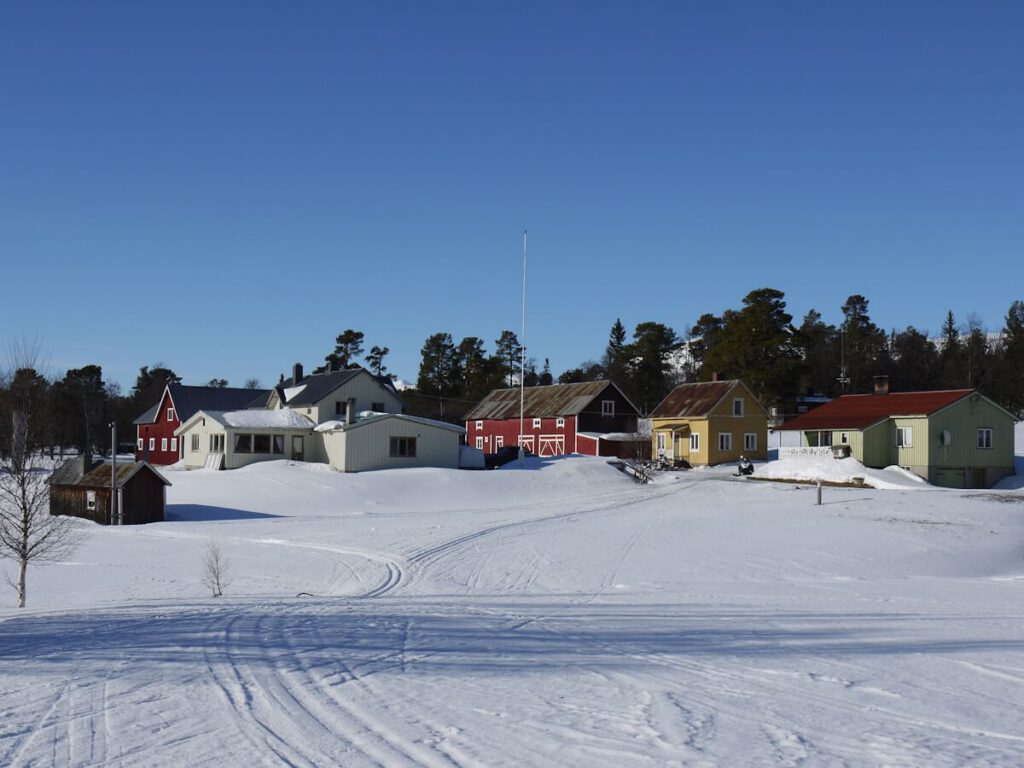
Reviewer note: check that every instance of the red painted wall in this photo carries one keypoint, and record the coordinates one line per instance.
(158, 432)
(508, 430)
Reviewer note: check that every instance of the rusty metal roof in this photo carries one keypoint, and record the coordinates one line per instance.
(539, 402)
(693, 400)
(99, 476)
(860, 411)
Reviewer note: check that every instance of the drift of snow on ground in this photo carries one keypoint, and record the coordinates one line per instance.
(829, 470)
(551, 613)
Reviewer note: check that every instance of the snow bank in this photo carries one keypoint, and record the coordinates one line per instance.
(830, 470)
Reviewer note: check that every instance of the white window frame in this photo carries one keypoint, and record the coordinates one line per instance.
(559, 423)
(170, 414)
(141, 443)
(694, 442)
(904, 437)
(844, 438)
(750, 441)
(479, 424)
(195, 443)
(163, 443)
(152, 444)
(608, 408)
(536, 423)
(479, 443)
(90, 501)
(661, 441)
(174, 444)
(986, 438)
(737, 401)
(725, 441)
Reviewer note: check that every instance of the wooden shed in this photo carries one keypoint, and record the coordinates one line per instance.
(81, 488)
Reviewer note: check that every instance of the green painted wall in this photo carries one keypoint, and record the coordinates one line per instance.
(962, 420)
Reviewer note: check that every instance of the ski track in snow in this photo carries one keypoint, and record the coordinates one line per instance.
(359, 675)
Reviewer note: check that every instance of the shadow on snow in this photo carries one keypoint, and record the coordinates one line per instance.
(199, 513)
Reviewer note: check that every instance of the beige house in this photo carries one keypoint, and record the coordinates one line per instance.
(348, 419)
(708, 423)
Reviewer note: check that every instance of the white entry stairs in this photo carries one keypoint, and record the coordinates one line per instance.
(214, 461)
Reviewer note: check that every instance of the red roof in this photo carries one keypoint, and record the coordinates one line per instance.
(860, 411)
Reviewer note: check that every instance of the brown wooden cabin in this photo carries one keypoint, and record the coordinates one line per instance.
(81, 488)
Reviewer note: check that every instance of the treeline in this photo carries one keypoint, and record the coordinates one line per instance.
(76, 409)
(759, 343)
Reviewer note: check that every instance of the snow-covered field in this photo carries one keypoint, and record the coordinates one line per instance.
(555, 615)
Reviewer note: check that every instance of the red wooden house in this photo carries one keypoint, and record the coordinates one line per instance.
(155, 440)
(593, 418)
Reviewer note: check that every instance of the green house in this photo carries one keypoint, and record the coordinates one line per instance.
(954, 438)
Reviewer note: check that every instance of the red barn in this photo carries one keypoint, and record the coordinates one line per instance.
(592, 418)
(155, 440)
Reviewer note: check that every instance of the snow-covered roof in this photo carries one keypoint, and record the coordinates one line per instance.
(291, 392)
(255, 418)
(258, 419)
(332, 426)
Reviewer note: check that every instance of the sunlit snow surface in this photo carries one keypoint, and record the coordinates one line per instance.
(556, 614)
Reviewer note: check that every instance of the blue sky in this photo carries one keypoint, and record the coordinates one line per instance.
(224, 187)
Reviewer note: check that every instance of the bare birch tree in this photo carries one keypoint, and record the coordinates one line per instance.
(215, 570)
(28, 533)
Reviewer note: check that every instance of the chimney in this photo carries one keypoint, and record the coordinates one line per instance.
(714, 375)
(881, 384)
(84, 464)
(296, 373)
(350, 411)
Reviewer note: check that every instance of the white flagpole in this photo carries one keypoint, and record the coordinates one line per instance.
(522, 363)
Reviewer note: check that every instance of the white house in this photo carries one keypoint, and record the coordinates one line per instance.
(348, 419)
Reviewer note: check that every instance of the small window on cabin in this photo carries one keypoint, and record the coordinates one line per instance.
(163, 443)
(195, 443)
(90, 500)
(750, 441)
(661, 441)
(904, 437)
(536, 423)
(278, 444)
(737, 406)
(170, 414)
(479, 424)
(403, 447)
(243, 443)
(559, 423)
(844, 438)
(694, 441)
(261, 444)
(152, 443)
(480, 443)
(985, 437)
(725, 441)
(607, 407)
(174, 443)
(377, 407)
(140, 443)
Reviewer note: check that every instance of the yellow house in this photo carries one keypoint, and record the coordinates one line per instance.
(711, 422)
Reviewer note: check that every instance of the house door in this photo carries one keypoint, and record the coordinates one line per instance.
(297, 448)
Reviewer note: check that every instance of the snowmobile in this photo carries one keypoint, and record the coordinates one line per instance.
(745, 468)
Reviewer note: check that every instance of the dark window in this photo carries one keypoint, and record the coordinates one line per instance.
(403, 447)
(339, 407)
(378, 407)
(243, 443)
(278, 446)
(261, 444)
